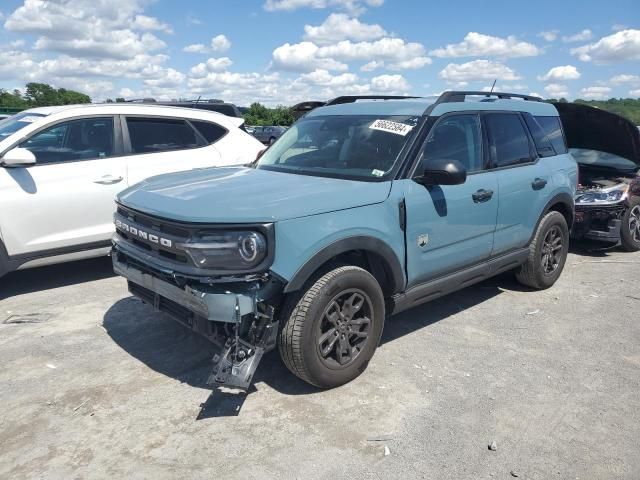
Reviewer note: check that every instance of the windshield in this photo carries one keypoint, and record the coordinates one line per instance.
(10, 125)
(360, 147)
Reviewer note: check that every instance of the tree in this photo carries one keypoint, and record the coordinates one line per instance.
(43, 94)
(258, 114)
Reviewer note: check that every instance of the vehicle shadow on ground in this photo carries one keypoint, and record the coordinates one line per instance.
(171, 349)
(55, 276)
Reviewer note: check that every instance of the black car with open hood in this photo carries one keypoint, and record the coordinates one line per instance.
(607, 149)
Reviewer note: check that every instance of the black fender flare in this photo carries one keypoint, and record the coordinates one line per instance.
(565, 199)
(392, 265)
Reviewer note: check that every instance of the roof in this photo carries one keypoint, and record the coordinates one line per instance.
(65, 111)
(413, 106)
(418, 106)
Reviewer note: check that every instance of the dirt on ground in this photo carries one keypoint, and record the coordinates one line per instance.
(494, 381)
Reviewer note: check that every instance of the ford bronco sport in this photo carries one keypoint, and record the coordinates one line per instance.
(360, 210)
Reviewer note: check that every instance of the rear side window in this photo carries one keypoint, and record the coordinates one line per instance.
(552, 127)
(508, 140)
(212, 132)
(542, 143)
(149, 135)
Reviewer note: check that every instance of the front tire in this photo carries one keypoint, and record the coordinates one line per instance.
(332, 329)
(547, 253)
(630, 231)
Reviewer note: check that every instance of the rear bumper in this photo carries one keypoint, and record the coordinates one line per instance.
(209, 303)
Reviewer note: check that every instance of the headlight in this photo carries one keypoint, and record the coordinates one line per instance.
(241, 250)
(609, 195)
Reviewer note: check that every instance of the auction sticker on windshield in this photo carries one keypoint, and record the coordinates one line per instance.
(391, 127)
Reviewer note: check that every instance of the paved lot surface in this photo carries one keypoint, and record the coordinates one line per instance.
(94, 384)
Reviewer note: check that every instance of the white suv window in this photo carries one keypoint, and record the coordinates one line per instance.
(83, 139)
(151, 135)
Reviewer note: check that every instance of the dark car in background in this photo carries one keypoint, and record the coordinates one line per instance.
(212, 105)
(607, 149)
(268, 134)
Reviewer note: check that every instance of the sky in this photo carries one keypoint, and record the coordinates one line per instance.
(287, 51)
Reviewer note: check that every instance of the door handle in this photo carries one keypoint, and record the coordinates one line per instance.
(538, 183)
(482, 195)
(108, 180)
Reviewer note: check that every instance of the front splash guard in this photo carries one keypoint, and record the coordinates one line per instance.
(240, 358)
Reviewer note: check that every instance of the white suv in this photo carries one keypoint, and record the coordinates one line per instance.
(62, 166)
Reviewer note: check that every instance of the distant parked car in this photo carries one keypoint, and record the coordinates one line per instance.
(268, 135)
(61, 167)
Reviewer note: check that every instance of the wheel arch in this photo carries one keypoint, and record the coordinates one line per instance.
(370, 253)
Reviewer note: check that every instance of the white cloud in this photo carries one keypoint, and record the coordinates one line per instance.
(324, 78)
(354, 7)
(219, 43)
(618, 47)
(303, 57)
(477, 70)
(556, 90)
(560, 74)
(616, 27)
(170, 79)
(211, 65)
(595, 93)
(480, 45)
(143, 22)
(582, 36)
(307, 56)
(13, 61)
(89, 28)
(338, 27)
(635, 93)
(390, 84)
(549, 35)
(371, 66)
(625, 78)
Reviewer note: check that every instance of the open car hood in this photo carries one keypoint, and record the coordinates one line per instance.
(590, 128)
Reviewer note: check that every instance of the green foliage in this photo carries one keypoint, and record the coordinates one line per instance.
(625, 107)
(260, 115)
(40, 95)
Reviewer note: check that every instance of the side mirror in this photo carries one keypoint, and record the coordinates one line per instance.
(442, 172)
(18, 157)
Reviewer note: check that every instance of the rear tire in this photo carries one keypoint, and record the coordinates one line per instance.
(630, 230)
(272, 140)
(547, 253)
(332, 328)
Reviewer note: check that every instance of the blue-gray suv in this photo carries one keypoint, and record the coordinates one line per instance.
(363, 208)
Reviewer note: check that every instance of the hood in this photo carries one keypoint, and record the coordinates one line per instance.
(589, 128)
(247, 195)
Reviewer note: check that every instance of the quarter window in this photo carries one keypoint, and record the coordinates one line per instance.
(553, 129)
(212, 132)
(150, 135)
(84, 139)
(508, 140)
(456, 137)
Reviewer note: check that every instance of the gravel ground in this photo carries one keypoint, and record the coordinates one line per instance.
(94, 384)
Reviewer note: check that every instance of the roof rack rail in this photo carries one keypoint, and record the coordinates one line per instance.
(460, 96)
(353, 98)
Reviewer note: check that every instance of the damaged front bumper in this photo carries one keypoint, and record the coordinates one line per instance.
(598, 222)
(234, 316)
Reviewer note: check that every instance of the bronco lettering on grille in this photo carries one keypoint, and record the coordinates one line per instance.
(165, 242)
